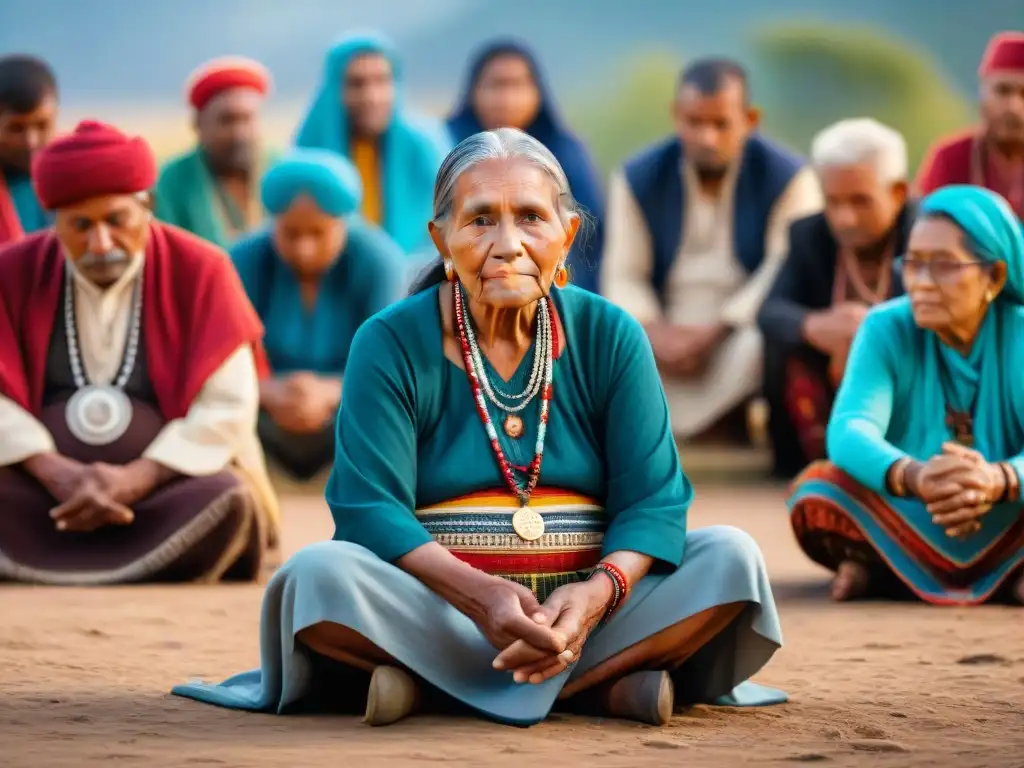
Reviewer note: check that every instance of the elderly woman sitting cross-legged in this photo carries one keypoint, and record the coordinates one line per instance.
(927, 434)
(510, 509)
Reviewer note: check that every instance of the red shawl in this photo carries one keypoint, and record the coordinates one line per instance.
(963, 159)
(195, 315)
(10, 224)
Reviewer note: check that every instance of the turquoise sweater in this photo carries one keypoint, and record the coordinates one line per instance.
(365, 279)
(408, 434)
(892, 403)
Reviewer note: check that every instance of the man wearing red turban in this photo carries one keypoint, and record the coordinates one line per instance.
(993, 155)
(128, 386)
(213, 190)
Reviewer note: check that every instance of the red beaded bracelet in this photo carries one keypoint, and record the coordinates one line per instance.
(620, 586)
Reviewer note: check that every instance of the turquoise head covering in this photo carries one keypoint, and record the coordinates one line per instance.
(411, 154)
(994, 233)
(901, 380)
(326, 176)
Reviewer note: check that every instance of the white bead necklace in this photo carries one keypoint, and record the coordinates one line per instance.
(99, 414)
(541, 373)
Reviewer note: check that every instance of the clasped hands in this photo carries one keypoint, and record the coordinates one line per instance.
(538, 642)
(958, 487)
(91, 496)
(302, 402)
(685, 350)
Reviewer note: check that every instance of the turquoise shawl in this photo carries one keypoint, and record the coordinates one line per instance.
(892, 401)
(411, 153)
(31, 214)
(186, 196)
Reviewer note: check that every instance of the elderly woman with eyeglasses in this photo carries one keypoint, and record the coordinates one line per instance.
(509, 506)
(926, 437)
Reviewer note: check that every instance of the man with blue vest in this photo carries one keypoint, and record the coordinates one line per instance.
(697, 228)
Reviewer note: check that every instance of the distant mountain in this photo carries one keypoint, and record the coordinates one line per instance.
(113, 51)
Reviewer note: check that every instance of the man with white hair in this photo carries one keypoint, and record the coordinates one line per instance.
(840, 263)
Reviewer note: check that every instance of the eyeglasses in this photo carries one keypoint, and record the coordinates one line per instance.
(941, 272)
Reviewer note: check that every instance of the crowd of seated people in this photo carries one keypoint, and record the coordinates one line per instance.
(170, 332)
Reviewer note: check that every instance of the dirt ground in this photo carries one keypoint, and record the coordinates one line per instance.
(84, 676)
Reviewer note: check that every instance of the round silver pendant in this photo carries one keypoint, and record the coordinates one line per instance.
(98, 415)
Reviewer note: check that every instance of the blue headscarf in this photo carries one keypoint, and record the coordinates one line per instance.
(327, 177)
(411, 153)
(549, 129)
(990, 369)
(994, 233)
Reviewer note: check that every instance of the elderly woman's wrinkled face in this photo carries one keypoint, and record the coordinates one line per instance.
(506, 94)
(507, 233)
(102, 235)
(949, 286)
(308, 239)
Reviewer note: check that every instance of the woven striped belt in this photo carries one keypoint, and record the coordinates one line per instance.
(477, 529)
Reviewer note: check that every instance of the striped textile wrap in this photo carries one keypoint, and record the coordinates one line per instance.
(477, 529)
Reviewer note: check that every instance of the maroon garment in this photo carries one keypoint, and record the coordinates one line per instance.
(1005, 53)
(966, 159)
(10, 224)
(193, 528)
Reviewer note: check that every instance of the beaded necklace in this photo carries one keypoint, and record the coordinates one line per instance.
(513, 422)
(545, 327)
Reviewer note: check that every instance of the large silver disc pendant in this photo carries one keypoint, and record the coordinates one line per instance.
(528, 524)
(98, 415)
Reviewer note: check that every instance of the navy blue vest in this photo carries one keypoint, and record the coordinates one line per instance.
(656, 179)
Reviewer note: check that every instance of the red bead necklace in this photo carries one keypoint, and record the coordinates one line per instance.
(523, 493)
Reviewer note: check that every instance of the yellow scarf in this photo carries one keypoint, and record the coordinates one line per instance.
(367, 161)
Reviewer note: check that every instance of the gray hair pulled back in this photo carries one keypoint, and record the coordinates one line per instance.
(499, 144)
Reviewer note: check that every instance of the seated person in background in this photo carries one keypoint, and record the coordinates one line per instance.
(505, 88)
(509, 541)
(314, 277)
(840, 263)
(927, 432)
(28, 116)
(358, 112)
(128, 387)
(696, 229)
(213, 191)
(991, 155)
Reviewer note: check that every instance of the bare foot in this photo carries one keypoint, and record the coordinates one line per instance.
(851, 581)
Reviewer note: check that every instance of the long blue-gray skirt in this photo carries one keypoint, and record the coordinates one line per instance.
(346, 584)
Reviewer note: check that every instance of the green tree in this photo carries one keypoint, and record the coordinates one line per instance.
(629, 111)
(809, 76)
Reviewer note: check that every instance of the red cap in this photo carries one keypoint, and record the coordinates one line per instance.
(95, 160)
(223, 74)
(1005, 53)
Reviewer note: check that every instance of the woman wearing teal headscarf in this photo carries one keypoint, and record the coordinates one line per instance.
(314, 276)
(358, 112)
(926, 437)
